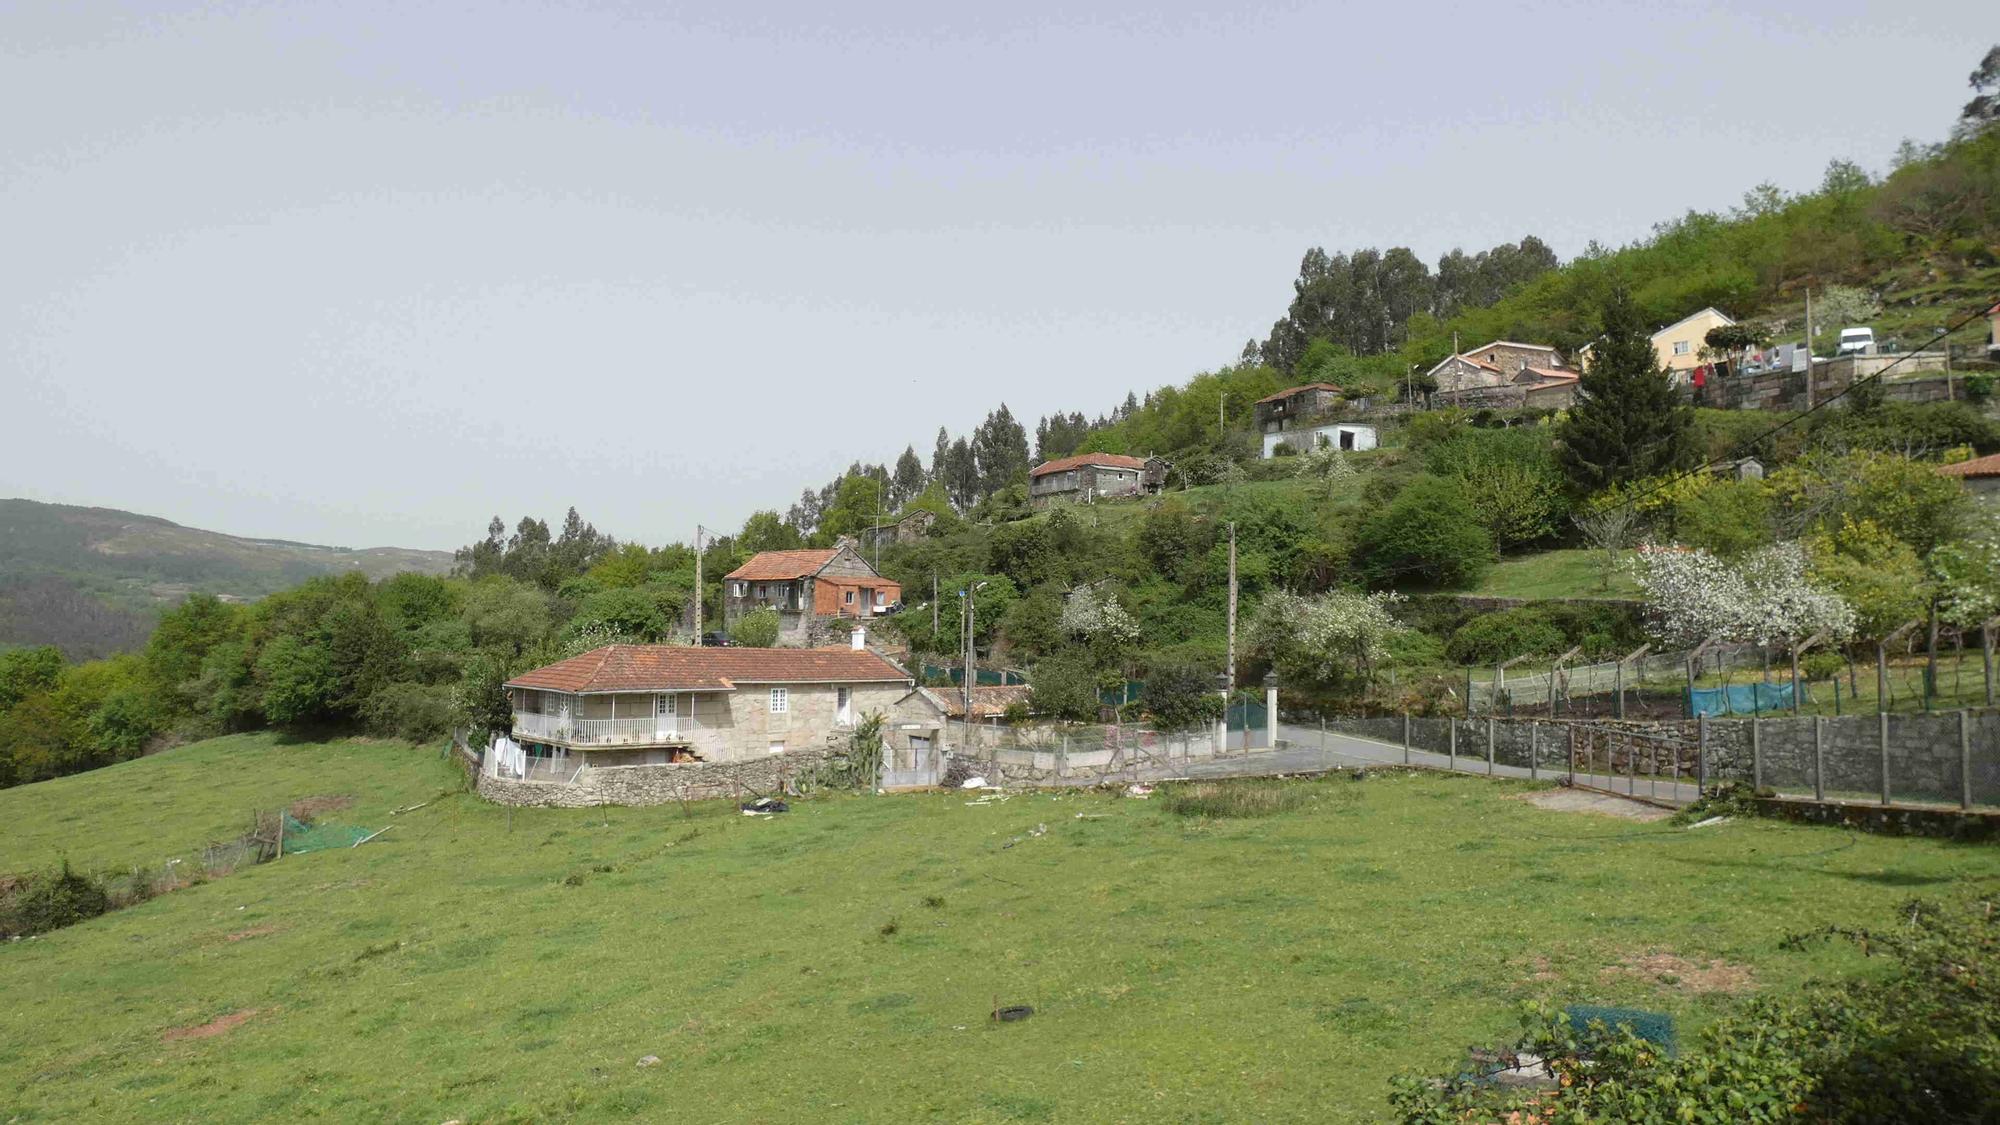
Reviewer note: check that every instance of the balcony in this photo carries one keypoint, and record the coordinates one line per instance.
(646, 731)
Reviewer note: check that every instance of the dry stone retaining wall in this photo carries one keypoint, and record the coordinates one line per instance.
(661, 784)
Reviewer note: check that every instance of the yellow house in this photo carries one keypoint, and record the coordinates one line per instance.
(1678, 346)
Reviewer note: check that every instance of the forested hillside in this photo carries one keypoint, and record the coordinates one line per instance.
(92, 581)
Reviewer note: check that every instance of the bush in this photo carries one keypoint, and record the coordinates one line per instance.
(50, 902)
(756, 629)
(1822, 664)
(1181, 695)
(1505, 635)
(1429, 534)
(1218, 799)
(417, 712)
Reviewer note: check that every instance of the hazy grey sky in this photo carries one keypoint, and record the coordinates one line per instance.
(369, 273)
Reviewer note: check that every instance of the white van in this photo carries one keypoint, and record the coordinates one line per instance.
(1856, 341)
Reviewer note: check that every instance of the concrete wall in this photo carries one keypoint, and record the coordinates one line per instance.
(1786, 390)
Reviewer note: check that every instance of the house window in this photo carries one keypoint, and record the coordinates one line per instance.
(739, 588)
(844, 700)
(780, 701)
(1680, 347)
(881, 598)
(847, 596)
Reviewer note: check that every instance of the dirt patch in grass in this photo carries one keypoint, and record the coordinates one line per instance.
(1603, 804)
(1673, 971)
(308, 809)
(1540, 968)
(254, 931)
(212, 1028)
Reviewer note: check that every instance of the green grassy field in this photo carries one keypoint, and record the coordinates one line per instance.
(144, 812)
(1554, 574)
(838, 963)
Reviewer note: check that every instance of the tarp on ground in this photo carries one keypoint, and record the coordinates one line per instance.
(301, 837)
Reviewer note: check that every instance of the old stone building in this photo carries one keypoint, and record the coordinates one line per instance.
(911, 527)
(1285, 409)
(620, 724)
(1094, 476)
(1490, 366)
(810, 590)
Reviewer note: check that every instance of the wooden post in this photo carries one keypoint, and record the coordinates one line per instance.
(1701, 755)
(1756, 758)
(1489, 744)
(1406, 738)
(1452, 741)
(1964, 759)
(1883, 720)
(1819, 757)
(1986, 632)
(1618, 689)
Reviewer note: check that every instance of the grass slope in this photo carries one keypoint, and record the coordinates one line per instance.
(143, 812)
(838, 963)
(1554, 574)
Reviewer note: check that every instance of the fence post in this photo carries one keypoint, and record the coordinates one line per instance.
(1452, 741)
(1756, 757)
(1819, 757)
(1700, 755)
(1325, 759)
(1881, 678)
(1534, 751)
(1489, 744)
(1618, 686)
(1964, 759)
(1572, 755)
(1406, 738)
(1884, 741)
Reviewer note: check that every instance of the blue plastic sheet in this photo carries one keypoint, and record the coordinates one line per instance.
(1740, 699)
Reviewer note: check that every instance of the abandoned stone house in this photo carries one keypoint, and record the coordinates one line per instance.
(1282, 410)
(1298, 419)
(811, 590)
(1094, 476)
(912, 527)
(1492, 367)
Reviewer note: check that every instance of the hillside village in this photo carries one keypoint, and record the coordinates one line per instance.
(1526, 632)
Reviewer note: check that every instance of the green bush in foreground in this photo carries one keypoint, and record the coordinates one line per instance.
(1922, 1044)
(1429, 534)
(49, 902)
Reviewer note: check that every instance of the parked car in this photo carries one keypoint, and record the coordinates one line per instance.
(1856, 341)
(717, 640)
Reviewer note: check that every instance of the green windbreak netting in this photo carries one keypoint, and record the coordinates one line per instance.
(302, 837)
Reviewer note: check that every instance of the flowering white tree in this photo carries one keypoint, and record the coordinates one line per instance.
(1097, 616)
(1327, 465)
(1324, 639)
(1692, 595)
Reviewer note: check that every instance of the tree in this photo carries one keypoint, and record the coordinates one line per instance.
(1181, 696)
(1429, 534)
(1691, 596)
(909, 478)
(1328, 466)
(1066, 688)
(26, 671)
(1984, 109)
(1330, 641)
(1628, 422)
(999, 450)
(961, 475)
(764, 531)
(756, 629)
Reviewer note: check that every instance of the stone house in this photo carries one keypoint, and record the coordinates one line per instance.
(1981, 476)
(1493, 365)
(653, 704)
(1546, 388)
(1285, 409)
(1093, 476)
(911, 527)
(810, 589)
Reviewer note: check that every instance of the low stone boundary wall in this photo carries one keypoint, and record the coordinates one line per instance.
(662, 784)
(1889, 820)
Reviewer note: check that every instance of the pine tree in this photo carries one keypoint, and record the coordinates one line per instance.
(909, 478)
(1629, 422)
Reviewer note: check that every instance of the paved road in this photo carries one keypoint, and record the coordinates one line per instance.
(1347, 749)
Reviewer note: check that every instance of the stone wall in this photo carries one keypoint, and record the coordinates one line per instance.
(652, 785)
(1786, 390)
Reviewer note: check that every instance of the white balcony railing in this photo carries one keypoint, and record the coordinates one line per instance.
(603, 732)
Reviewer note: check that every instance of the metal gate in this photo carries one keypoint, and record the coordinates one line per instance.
(1658, 762)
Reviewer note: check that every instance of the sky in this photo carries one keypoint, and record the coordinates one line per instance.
(369, 274)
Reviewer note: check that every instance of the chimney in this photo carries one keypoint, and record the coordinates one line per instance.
(860, 639)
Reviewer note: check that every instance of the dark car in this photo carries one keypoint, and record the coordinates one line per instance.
(717, 640)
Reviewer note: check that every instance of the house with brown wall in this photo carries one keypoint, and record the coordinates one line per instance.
(1086, 477)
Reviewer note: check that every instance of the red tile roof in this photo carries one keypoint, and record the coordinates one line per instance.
(1987, 466)
(1547, 375)
(1290, 391)
(780, 566)
(685, 668)
(1104, 460)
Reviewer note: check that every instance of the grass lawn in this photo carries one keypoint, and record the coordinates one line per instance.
(143, 812)
(838, 963)
(1553, 574)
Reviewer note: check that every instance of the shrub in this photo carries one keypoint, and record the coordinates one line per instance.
(1407, 648)
(50, 902)
(756, 629)
(1822, 664)
(1505, 635)
(1511, 479)
(1219, 799)
(1181, 695)
(1429, 534)
(417, 712)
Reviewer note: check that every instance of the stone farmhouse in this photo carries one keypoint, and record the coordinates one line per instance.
(1299, 418)
(911, 527)
(1981, 476)
(1094, 476)
(633, 724)
(812, 590)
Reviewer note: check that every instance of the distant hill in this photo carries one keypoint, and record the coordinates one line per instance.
(93, 580)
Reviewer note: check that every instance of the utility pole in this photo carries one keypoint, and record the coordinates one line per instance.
(1232, 606)
(697, 585)
(1457, 381)
(934, 605)
(1809, 355)
(1219, 423)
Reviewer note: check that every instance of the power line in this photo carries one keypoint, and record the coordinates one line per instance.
(1752, 443)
